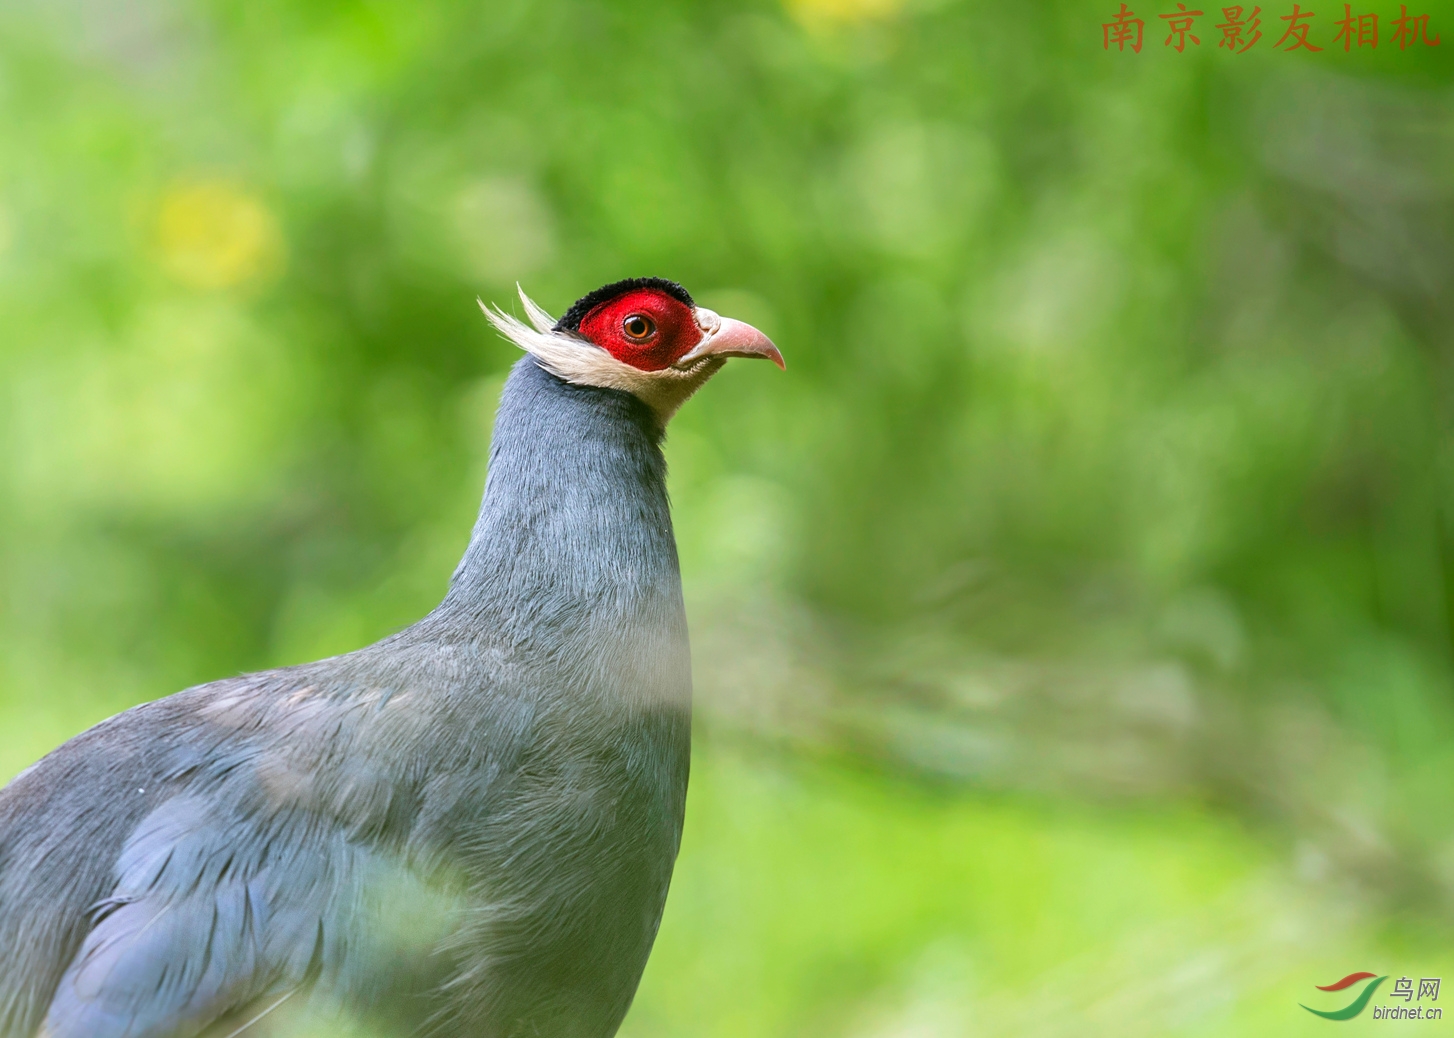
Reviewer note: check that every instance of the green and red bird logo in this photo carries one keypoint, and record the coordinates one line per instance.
(1353, 1008)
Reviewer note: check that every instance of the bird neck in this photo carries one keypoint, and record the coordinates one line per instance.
(574, 527)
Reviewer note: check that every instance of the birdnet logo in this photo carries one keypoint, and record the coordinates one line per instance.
(1403, 988)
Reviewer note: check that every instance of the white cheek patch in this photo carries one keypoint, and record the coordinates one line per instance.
(583, 363)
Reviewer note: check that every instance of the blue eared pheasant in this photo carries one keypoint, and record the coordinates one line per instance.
(467, 828)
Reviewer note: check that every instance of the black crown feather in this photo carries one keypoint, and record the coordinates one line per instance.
(570, 321)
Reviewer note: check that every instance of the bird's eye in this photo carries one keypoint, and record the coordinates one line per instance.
(638, 327)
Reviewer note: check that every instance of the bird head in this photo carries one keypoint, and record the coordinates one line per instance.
(643, 335)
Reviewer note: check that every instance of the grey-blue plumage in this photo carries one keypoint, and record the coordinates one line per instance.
(467, 828)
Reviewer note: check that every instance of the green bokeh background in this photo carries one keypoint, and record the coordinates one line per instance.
(1074, 621)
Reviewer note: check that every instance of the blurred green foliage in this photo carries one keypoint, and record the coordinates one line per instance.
(1074, 620)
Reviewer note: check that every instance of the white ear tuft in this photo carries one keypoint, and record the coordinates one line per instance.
(565, 355)
(543, 321)
(508, 325)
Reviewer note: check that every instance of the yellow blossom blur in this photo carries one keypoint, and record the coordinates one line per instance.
(843, 11)
(214, 235)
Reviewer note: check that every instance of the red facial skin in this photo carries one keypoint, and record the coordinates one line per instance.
(674, 334)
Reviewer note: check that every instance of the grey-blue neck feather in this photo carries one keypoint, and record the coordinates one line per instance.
(575, 518)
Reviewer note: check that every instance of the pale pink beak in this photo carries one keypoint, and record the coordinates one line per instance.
(724, 337)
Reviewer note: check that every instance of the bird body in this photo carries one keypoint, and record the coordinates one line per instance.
(467, 828)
